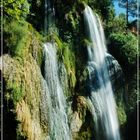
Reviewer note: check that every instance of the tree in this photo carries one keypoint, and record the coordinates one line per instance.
(36, 15)
(116, 25)
(132, 8)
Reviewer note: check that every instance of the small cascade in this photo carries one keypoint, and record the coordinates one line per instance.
(99, 84)
(58, 120)
(49, 21)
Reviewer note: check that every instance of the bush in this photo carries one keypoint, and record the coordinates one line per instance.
(124, 48)
(116, 25)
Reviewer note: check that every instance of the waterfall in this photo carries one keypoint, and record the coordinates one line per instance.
(49, 21)
(54, 96)
(99, 84)
(58, 120)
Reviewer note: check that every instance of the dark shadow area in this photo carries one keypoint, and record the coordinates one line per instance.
(87, 127)
(131, 126)
(9, 118)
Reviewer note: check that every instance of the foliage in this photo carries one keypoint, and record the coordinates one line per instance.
(101, 7)
(20, 39)
(14, 9)
(124, 47)
(53, 37)
(131, 5)
(116, 25)
(14, 92)
(132, 8)
(121, 113)
(16, 36)
(36, 15)
(69, 61)
(69, 19)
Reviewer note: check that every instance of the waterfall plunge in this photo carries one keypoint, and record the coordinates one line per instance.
(58, 121)
(102, 99)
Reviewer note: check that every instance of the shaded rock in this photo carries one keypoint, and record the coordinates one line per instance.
(81, 121)
(115, 72)
(76, 122)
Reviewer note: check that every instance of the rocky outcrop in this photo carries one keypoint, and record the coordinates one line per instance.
(23, 89)
(81, 120)
(20, 68)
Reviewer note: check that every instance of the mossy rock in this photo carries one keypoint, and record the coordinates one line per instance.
(13, 74)
(21, 39)
(82, 121)
(53, 37)
(69, 61)
(121, 114)
(23, 91)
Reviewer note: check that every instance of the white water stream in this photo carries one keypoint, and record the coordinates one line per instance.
(101, 93)
(58, 120)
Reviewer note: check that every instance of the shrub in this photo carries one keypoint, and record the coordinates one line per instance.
(124, 48)
(116, 25)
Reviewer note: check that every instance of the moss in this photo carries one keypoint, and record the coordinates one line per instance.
(121, 113)
(22, 39)
(13, 75)
(85, 135)
(15, 37)
(14, 92)
(35, 46)
(53, 37)
(23, 90)
(69, 61)
(23, 48)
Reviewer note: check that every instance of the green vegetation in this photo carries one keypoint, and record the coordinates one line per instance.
(15, 92)
(23, 50)
(132, 7)
(36, 15)
(15, 9)
(124, 47)
(121, 113)
(20, 39)
(69, 61)
(115, 25)
(16, 36)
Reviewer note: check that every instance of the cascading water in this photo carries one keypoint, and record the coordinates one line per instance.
(55, 100)
(101, 93)
(58, 121)
(49, 21)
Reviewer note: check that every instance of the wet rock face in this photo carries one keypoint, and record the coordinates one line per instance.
(90, 82)
(115, 72)
(63, 79)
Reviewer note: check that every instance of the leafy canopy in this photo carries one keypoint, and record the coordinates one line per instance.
(116, 25)
(132, 6)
